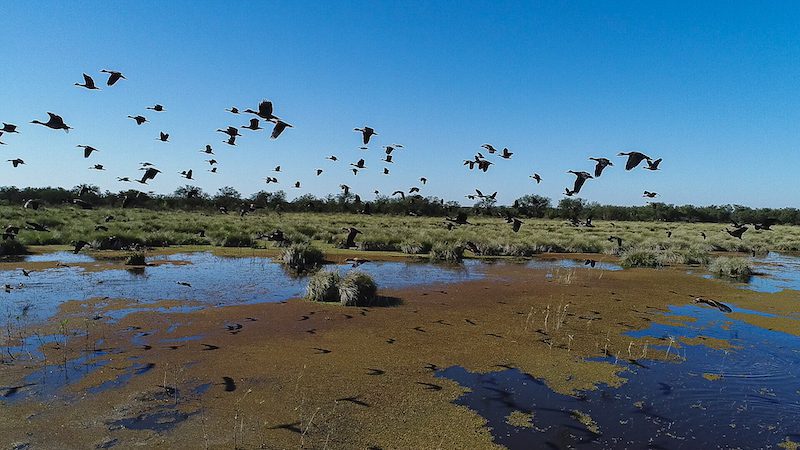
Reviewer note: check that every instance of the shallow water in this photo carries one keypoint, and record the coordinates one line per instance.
(775, 272)
(570, 264)
(755, 402)
(214, 280)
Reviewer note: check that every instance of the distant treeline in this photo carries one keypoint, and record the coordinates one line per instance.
(531, 206)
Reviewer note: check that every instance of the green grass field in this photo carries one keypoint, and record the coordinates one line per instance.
(412, 235)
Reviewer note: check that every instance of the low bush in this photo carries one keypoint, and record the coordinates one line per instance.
(302, 257)
(323, 286)
(738, 268)
(357, 289)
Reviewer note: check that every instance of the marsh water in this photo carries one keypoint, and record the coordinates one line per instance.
(744, 396)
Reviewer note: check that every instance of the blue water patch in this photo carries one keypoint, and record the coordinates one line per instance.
(544, 263)
(213, 281)
(754, 402)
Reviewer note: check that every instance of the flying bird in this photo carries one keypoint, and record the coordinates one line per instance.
(506, 154)
(516, 224)
(16, 162)
(649, 194)
(149, 174)
(88, 83)
(332, 158)
(489, 148)
(264, 111)
(208, 150)
(55, 122)
(87, 150)
(653, 165)
(230, 131)
(9, 128)
(319, 172)
(139, 119)
(351, 236)
(113, 76)
(163, 137)
(156, 107)
(634, 159)
(187, 174)
(366, 133)
(737, 233)
(580, 180)
(233, 110)
(98, 167)
(602, 163)
(278, 129)
(359, 164)
(537, 178)
(254, 125)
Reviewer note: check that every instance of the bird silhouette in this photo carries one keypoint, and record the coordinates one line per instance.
(506, 154)
(16, 162)
(253, 125)
(537, 178)
(634, 159)
(264, 111)
(87, 150)
(208, 150)
(230, 131)
(653, 165)
(9, 128)
(602, 163)
(149, 174)
(366, 133)
(55, 122)
(332, 158)
(88, 83)
(489, 148)
(319, 172)
(516, 224)
(580, 180)
(163, 137)
(351, 236)
(97, 167)
(278, 129)
(233, 110)
(187, 174)
(156, 107)
(737, 233)
(649, 194)
(113, 76)
(139, 119)
(359, 164)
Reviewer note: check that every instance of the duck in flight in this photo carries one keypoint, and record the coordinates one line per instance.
(366, 133)
(634, 159)
(113, 76)
(602, 163)
(55, 123)
(88, 83)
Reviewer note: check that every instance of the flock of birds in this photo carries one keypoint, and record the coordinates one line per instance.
(265, 114)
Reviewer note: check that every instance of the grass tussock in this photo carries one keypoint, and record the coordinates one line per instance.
(302, 257)
(136, 258)
(447, 252)
(12, 247)
(354, 289)
(738, 268)
(323, 286)
(357, 289)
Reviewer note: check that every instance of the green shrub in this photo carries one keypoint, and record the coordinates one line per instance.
(302, 257)
(641, 257)
(323, 286)
(136, 259)
(738, 268)
(447, 251)
(12, 247)
(237, 240)
(357, 289)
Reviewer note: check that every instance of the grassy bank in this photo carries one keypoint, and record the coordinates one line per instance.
(415, 235)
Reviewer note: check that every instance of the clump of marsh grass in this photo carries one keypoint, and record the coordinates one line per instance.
(12, 247)
(738, 268)
(447, 251)
(136, 258)
(302, 257)
(357, 289)
(323, 286)
(640, 257)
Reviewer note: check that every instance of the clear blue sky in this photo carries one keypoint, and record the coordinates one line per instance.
(712, 88)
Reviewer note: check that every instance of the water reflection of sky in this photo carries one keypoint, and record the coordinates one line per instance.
(755, 402)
